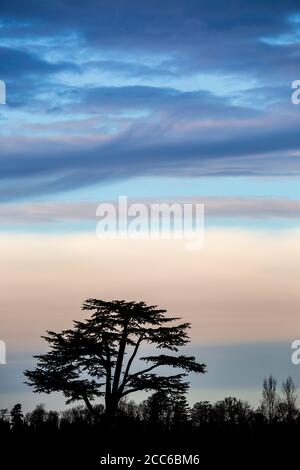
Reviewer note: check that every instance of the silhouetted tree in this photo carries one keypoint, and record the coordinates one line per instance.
(287, 406)
(270, 399)
(157, 409)
(16, 417)
(180, 412)
(165, 408)
(232, 411)
(201, 413)
(52, 420)
(88, 361)
(37, 417)
(128, 408)
(3, 414)
(77, 415)
(4, 420)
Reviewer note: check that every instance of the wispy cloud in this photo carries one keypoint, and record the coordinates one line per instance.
(195, 90)
(225, 207)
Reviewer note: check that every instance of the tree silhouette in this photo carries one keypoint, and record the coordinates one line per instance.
(3, 414)
(181, 412)
(16, 417)
(37, 417)
(88, 361)
(288, 406)
(157, 409)
(232, 411)
(4, 421)
(270, 399)
(201, 413)
(165, 408)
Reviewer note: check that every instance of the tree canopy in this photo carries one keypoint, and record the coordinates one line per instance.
(98, 357)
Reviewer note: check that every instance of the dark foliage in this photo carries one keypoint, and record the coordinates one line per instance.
(162, 424)
(89, 361)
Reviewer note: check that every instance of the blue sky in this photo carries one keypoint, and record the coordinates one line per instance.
(173, 100)
(116, 96)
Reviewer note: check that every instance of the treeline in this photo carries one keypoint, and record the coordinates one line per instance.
(167, 412)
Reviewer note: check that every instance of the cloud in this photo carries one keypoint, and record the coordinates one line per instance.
(40, 166)
(149, 128)
(195, 35)
(22, 64)
(167, 101)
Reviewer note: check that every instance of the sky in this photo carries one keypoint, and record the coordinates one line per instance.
(179, 101)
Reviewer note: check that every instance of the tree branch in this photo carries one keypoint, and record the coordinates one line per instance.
(88, 404)
(131, 390)
(144, 371)
(108, 371)
(126, 373)
(120, 358)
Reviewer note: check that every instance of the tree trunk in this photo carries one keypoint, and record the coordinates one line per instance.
(111, 405)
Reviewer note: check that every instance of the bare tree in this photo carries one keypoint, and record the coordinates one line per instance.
(289, 402)
(270, 400)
